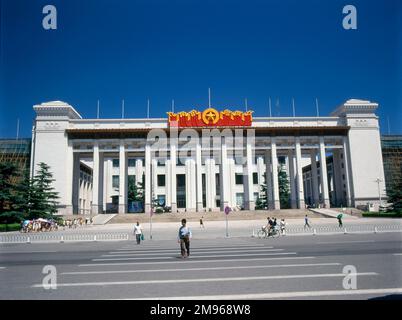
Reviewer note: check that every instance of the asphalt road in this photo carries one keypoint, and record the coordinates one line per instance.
(296, 267)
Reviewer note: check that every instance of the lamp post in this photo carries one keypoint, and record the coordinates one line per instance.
(378, 180)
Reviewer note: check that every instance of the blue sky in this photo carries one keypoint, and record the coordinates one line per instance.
(176, 49)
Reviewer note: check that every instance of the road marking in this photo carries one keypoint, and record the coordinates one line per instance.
(281, 295)
(204, 269)
(192, 257)
(165, 253)
(397, 254)
(336, 242)
(192, 249)
(138, 258)
(2, 268)
(26, 252)
(189, 261)
(204, 280)
(145, 248)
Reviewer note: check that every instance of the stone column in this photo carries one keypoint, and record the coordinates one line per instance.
(347, 172)
(299, 176)
(223, 174)
(250, 203)
(69, 177)
(173, 182)
(76, 183)
(190, 185)
(268, 177)
(292, 180)
(210, 184)
(323, 174)
(232, 182)
(154, 181)
(198, 157)
(168, 185)
(148, 187)
(314, 178)
(275, 183)
(122, 178)
(97, 187)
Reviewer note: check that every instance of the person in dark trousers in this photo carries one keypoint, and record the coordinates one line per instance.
(184, 239)
(306, 222)
(138, 232)
(339, 217)
(202, 223)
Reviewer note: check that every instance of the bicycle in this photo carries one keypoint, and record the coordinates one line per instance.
(265, 233)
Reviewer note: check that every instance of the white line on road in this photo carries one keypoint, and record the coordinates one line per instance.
(209, 256)
(204, 280)
(144, 247)
(138, 258)
(2, 268)
(342, 242)
(397, 254)
(192, 249)
(205, 269)
(119, 254)
(282, 295)
(189, 261)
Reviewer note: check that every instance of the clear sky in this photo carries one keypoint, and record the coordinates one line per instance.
(176, 49)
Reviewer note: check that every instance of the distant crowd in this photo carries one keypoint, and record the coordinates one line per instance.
(46, 225)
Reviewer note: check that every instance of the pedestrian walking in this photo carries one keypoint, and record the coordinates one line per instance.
(306, 222)
(184, 239)
(138, 232)
(202, 223)
(283, 227)
(339, 217)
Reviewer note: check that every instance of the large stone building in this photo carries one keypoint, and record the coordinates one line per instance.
(237, 153)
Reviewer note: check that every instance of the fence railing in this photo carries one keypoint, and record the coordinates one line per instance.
(72, 237)
(325, 229)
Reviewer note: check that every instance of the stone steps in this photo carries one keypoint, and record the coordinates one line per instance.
(212, 216)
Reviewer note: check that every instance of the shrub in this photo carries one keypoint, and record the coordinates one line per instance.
(10, 227)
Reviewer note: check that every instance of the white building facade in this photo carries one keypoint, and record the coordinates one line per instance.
(92, 160)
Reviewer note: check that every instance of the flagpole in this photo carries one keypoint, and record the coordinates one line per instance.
(97, 110)
(18, 128)
(293, 106)
(148, 109)
(209, 97)
(245, 102)
(122, 109)
(316, 105)
(270, 108)
(172, 105)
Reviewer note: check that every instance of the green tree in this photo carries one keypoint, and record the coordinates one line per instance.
(262, 202)
(41, 194)
(9, 196)
(135, 191)
(283, 187)
(395, 197)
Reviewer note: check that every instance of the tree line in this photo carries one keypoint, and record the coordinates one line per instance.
(23, 197)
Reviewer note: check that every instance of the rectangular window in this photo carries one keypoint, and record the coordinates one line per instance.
(161, 180)
(115, 163)
(115, 181)
(255, 178)
(131, 163)
(239, 178)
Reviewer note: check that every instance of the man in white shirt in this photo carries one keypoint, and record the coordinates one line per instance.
(138, 232)
(184, 239)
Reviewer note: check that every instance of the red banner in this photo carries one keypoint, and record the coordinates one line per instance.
(210, 118)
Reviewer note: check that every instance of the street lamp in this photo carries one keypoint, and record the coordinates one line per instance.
(378, 180)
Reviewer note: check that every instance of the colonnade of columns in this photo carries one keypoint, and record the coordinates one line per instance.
(267, 164)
